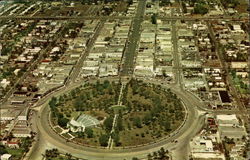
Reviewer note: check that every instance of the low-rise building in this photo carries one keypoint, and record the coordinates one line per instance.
(8, 115)
(230, 127)
(6, 157)
(203, 148)
(4, 83)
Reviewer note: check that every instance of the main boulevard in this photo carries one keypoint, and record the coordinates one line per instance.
(177, 142)
(193, 123)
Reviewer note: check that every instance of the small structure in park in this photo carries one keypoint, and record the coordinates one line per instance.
(82, 122)
(118, 108)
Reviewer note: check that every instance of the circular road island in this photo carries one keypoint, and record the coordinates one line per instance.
(116, 115)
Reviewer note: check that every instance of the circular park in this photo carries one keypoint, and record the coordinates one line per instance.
(113, 114)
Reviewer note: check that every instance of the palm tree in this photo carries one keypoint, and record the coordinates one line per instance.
(162, 153)
(155, 155)
(51, 153)
(68, 156)
(150, 157)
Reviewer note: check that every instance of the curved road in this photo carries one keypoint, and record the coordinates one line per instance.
(49, 139)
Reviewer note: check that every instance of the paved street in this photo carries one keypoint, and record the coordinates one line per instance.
(192, 125)
(82, 18)
(195, 109)
(32, 66)
(177, 66)
(130, 50)
(77, 68)
(229, 79)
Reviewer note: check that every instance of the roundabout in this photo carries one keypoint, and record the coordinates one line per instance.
(192, 123)
(116, 115)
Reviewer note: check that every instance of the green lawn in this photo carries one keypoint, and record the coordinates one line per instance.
(58, 130)
(16, 153)
(149, 112)
(66, 135)
(237, 82)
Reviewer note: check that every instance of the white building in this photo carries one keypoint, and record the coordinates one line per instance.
(230, 127)
(7, 115)
(21, 133)
(4, 83)
(203, 148)
(5, 157)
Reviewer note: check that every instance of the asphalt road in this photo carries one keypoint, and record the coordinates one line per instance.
(177, 66)
(229, 79)
(191, 127)
(47, 138)
(76, 71)
(83, 18)
(134, 37)
(193, 124)
(32, 66)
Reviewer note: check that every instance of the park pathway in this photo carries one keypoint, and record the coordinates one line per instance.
(119, 103)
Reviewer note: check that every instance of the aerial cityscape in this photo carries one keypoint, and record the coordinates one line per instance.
(124, 80)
